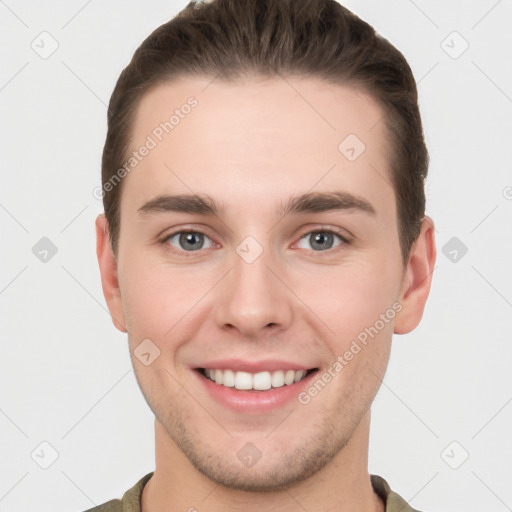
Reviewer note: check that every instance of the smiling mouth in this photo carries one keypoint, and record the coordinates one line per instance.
(261, 381)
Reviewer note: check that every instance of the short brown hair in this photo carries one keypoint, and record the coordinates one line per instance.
(318, 38)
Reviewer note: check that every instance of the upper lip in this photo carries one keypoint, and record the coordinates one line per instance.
(242, 365)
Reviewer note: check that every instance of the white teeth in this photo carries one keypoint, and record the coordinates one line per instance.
(289, 377)
(260, 381)
(243, 380)
(228, 379)
(277, 379)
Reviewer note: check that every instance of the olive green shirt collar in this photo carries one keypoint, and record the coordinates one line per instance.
(131, 498)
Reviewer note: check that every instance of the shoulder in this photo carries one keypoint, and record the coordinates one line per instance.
(394, 502)
(130, 501)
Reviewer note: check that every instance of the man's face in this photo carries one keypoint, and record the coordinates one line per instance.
(265, 282)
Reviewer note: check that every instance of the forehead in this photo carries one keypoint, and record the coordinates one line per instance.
(306, 106)
(297, 132)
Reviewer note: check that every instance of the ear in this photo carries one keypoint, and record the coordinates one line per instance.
(108, 271)
(417, 279)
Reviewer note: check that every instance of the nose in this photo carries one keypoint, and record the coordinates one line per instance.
(252, 299)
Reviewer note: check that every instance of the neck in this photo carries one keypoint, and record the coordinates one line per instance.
(343, 484)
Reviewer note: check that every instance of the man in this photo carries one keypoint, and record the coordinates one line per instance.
(264, 236)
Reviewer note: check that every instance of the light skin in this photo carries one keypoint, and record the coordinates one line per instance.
(251, 146)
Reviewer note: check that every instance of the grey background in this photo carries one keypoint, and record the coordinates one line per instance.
(66, 376)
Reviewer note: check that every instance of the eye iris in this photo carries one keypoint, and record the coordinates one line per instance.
(321, 240)
(192, 241)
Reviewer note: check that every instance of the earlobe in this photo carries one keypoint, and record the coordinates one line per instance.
(108, 271)
(417, 279)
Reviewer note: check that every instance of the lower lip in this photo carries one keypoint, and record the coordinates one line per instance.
(256, 402)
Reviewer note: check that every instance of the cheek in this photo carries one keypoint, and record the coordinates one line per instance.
(351, 297)
(161, 301)
(362, 312)
(147, 292)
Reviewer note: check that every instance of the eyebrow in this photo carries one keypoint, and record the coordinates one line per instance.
(325, 201)
(313, 202)
(184, 203)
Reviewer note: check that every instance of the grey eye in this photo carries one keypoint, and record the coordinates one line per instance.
(320, 240)
(189, 241)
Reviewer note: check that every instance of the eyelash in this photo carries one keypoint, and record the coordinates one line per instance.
(165, 241)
